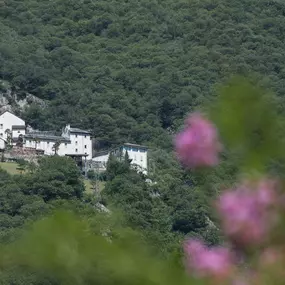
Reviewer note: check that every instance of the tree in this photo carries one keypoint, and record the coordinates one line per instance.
(56, 146)
(20, 141)
(116, 167)
(55, 178)
(9, 138)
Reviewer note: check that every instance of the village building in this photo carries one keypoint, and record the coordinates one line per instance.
(11, 127)
(80, 142)
(137, 154)
(72, 141)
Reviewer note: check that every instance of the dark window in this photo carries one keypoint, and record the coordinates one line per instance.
(76, 150)
(76, 136)
(85, 146)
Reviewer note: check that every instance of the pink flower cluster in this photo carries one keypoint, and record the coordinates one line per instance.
(197, 145)
(214, 262)
(246, 212)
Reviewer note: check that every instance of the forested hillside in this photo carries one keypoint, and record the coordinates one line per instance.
(130, 70)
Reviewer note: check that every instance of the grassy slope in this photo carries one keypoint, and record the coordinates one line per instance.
(10, 167)
(88, 185)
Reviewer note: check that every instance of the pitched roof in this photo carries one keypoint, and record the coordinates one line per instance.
(18, 127)
(79, 131)
(45, 136)
(135, 145)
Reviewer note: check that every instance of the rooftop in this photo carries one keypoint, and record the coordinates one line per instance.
(18, 127)
(79, 131)
(46, 136)
(135, 145)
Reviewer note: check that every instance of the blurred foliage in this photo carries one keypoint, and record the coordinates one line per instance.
(248, 123)
(63, 247)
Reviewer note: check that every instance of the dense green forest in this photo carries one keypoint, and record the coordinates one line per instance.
(130, 70)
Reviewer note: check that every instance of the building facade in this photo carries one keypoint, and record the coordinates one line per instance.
(137, 154)
(72, 141)
(80, 142)
(11, 128)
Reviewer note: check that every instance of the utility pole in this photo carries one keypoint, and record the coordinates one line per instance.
(96, 184)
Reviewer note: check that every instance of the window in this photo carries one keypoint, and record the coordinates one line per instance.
(76, 142)
(1, 126)
(85, 146)
(18, 132)
(85, 136)
(76, 150)
(65, 144)
(76, 136)
(47, 143)
(1, 134)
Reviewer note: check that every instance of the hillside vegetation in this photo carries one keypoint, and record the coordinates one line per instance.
(131, 70)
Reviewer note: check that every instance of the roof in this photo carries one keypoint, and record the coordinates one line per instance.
(18, 127)
(46, 136)
(76, 155)
(135, 145)
(79, 131)
(7, 111)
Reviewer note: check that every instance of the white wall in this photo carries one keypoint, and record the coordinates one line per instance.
(76, 146)
(42, 145)
(102, 158)
(138, 156)
(7, 120)
(81, 144)
(2, 144)
(17, 133)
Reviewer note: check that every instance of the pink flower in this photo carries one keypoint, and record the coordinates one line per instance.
(245, 214)
(197, 145)
(208, 262)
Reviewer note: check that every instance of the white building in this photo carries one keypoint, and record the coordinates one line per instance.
(100, 159)
(137, 154)
(10, 125)
(45, 141)
(80, 142)
(73, 141)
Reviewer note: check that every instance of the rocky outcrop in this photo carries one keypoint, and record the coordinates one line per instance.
(12, 99)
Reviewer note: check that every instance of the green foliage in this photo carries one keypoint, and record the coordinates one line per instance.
(248, 123)
(63, 247)
(91, 174)
(56, 178)
(131, 70)
(116, 167)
